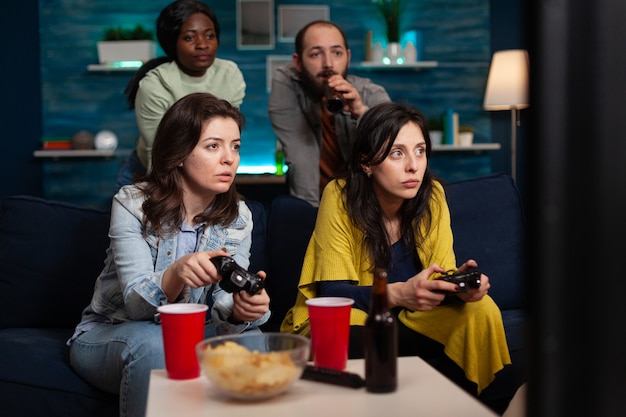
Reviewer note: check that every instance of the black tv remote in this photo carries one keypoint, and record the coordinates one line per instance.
(333, 376)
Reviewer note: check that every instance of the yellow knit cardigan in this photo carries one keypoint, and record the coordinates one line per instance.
(472, 333)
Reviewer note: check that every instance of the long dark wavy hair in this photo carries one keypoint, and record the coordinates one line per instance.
(168, 26)
(374, 137)
(176, 137)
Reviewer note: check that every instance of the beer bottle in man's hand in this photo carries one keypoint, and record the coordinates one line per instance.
(334, 100)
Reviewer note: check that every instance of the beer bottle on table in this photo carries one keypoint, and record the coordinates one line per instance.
(380, 339)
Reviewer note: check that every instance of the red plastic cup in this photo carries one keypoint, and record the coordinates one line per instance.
(183, 328)
(330, 330)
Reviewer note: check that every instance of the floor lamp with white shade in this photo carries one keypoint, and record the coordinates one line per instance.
(507, 89)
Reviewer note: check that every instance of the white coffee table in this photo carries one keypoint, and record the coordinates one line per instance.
(422, 391)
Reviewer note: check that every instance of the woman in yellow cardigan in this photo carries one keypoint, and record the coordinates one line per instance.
(390, 210)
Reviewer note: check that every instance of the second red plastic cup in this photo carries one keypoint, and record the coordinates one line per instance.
(330, 330)
(183, 328)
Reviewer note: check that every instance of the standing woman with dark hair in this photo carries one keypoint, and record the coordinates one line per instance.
(189, 33)
(163, 232)
(389, 211)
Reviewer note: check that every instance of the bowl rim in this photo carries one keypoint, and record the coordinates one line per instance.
(306, 341)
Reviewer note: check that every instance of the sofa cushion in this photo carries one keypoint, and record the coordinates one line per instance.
(35, 377)
(258, 252)
(488, 226)
(290, 225)
(47, 278)
(515, 325)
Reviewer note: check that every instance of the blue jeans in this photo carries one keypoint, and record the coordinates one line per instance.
(129, 171)
(118, 358)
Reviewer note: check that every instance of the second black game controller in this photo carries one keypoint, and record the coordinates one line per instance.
(465, 280)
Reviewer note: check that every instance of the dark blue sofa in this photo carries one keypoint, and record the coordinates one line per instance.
(488, 226)
(51, 252)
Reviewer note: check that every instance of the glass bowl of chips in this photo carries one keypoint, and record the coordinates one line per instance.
(253, 366)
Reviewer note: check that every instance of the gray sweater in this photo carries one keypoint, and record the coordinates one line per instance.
(296, 119)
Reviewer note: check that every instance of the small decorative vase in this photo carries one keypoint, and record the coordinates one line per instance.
(377, 53)
(436, 137)
(410, 53)
(466, 138)
(394, 53)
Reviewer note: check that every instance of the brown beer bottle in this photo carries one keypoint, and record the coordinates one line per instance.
(380, 339)
(334, 99)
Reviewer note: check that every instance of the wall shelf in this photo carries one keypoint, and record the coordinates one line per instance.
(414, 66)
(472, 147)
(474, 64)
(79, 153)
(108, 68)
(417, 66)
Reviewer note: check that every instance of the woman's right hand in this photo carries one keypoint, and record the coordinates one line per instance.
(419, 293)
(194, 270)
(197, 270)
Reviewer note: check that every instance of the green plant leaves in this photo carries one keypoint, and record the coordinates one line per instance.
(119, 33)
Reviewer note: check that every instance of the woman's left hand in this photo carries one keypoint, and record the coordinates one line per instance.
(474, 294)
(248, 307)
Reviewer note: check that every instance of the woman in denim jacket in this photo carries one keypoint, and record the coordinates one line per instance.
(163, 232)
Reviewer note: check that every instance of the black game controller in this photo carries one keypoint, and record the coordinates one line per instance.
(464, 279)
(235, 278)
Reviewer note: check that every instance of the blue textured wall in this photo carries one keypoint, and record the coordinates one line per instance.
(455, 33)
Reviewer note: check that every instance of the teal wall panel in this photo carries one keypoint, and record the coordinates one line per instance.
(455, 33)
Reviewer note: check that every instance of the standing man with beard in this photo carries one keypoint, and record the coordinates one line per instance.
(316, 141)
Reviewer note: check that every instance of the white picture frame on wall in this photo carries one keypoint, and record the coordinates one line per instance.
(255, 24)
(271, 63)
(292, 18)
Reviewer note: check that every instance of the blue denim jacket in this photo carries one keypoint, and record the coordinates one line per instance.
(129, 286)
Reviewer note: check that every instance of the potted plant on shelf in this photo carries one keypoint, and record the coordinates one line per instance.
(391, 11)
(466, 135)
(435, 130)
(120, 44)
